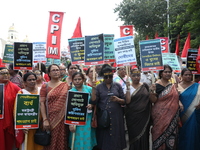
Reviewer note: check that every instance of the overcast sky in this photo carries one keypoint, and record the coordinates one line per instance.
(31, 17)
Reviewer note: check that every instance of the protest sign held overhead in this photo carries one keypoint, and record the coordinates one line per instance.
(76, 108)
(109, 48)
(164, 44)
(8, 54)
(125, 51)
(23, 56)
(94, 50)
(151, 55)
(27, 111)
(191, 60)
(1, 101)
(76, 50)
(171, 60)
(54, 35)
(39, 52)
(126, 30)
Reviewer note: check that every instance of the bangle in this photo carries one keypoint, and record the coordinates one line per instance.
(45, 120)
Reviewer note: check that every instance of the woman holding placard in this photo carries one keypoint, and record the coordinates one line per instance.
(30, 88)
(85, 138)
(109, 98)
(138, 111)
(7, 132)
(165, 112)
(53, 97)
(189, 135)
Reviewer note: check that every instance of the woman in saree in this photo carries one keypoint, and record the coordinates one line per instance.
(137, 112)
(53, 97)
(85, 137)
(165, 112)
(7, 131)
(189, 134)
(109, 95)
(30, 88)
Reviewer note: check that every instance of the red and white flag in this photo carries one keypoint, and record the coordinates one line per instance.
(54, 35)
(126, 30)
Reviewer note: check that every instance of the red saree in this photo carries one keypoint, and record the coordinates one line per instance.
(7, 132)
(165, 116)
(56, 110)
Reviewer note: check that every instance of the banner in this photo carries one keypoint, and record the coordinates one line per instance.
(39, 52)
(76, 108)
(76, 50)
(125, 51)
(23, 56)
(151, 55)
(27, 111)
(94, 50)
(171, 60)
(164, 44)
(54, 35)
(126, 30)
(8, 54)
(109, 48)
(1, 101)
(191, 60)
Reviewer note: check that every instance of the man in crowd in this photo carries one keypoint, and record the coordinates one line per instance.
(63, 73)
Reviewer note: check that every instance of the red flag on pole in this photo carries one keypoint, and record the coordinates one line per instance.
(156, 35)
(186, 46)
(77, 32)
(177, 46)
(147, 37)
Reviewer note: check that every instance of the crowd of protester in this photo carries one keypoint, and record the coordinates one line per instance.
(163, 105)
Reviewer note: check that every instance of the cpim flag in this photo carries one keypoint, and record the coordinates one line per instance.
(126, 30)
(77, 32)
(54, 35)
(156, 35)
(198, 61)
(177, 46)
(186, 47)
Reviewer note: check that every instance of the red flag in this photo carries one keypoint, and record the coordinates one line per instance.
(54, 35)
(177, 46)
(198, 61)
(156, 35)
(147, 37)
(186, 46)
(77, 32)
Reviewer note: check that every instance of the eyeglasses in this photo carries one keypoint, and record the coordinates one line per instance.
(4, 73)
(62, 69)
(108, 76)
(31, 80)
(38, 74)
(56, 70)
(73, 68)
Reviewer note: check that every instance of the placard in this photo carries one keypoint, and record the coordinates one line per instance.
(23, 56)
(164, 44)
(171, 60)
(1, 101)
(76, 108)
(27, 111)
(8, 54)
(125, 51)
(151, 55)
(109, 48)
(76, 50)
(39, 52)
(191, 60)
(94, 50)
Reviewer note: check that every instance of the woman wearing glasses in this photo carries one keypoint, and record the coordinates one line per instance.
(30, 88)
(109, 95)
(54, 94)
(7, 131)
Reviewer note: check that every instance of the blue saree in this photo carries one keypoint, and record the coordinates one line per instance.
(189, 134)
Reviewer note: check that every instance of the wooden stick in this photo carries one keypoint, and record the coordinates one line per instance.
(193, 76)
(81, 66)
(73, 138)
(173, 76)
(153, 78)
(93, 75)
(26, 141)
(39, 66)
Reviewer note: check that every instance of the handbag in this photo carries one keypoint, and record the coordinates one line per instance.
(42, 137)
(103, 117)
